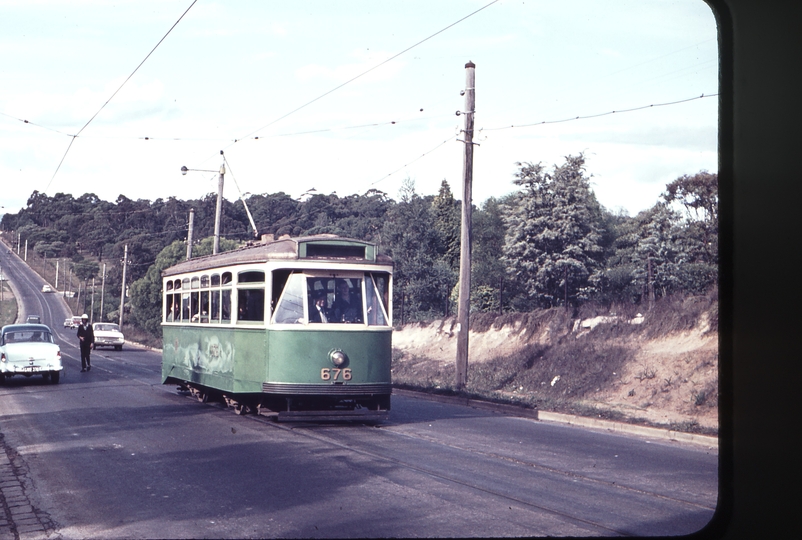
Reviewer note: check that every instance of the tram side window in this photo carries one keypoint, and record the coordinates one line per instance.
(251, 305)
(375, 297)
(168, 307)
(251, 276)
(204, 306)
(214, 300)
(215, 306)
(194, 306)
(185, 306)
(225, 306)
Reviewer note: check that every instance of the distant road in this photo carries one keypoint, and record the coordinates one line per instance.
(27, 287)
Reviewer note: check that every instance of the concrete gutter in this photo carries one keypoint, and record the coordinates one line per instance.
(569, 419)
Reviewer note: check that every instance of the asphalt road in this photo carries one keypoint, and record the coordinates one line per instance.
(112, 453)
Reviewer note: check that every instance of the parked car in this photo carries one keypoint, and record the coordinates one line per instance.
(108, 335)
(47, 288)
(33, 319)
(29, 349)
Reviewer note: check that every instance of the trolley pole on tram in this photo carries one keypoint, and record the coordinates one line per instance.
(464, 309)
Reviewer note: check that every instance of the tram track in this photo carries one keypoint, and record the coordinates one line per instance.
(461, 482)
(309, 431)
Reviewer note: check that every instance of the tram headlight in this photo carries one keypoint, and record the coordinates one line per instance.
(338, 358)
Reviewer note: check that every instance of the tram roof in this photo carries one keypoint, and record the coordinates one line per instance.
(321, 247)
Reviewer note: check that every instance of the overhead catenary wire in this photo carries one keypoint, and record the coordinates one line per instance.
(97, 128)
(73, 137)
(352, 79)
(414, 160)
(585, 117)
(543, 122)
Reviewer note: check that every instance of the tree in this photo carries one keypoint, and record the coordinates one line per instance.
(488, 274)
(422, 282)
(86, 270)
(447, 216)
(552, 247)
(698, 240)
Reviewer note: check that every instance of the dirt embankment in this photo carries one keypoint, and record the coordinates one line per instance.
(659, 369)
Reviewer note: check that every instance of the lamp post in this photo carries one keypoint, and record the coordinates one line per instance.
(219, 208)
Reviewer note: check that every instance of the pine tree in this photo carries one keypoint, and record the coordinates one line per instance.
(447, 218)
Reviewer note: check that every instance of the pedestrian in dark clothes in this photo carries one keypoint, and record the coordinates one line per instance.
(86, 337)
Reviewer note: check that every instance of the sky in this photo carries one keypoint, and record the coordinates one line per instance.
(351, 95)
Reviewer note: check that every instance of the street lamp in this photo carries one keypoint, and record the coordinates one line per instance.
(219, 208)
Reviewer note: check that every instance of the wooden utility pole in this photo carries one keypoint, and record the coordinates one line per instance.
(122, 293)
(190, 232)
(102, 292)
(219, 209)
(464, 309)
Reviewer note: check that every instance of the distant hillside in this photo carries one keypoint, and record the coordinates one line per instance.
(659, 368)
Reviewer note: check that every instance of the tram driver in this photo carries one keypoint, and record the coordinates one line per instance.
(347, 307)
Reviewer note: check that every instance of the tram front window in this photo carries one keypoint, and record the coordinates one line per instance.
(290, 308)
(332, 299)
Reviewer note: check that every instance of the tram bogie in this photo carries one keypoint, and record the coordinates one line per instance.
(295, 328)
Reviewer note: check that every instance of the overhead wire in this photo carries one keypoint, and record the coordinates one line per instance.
(378, 124)
(114, 94)
(414, 160)
(34, 124)
(618, 111)
(352, 79)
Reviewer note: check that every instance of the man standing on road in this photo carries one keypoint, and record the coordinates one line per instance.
(86, 336)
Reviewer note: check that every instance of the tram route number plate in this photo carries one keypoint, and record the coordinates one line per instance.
(335, 374)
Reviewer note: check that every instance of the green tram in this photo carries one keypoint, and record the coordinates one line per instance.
(296, 328)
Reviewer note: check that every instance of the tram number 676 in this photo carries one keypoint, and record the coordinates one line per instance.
(333, 374)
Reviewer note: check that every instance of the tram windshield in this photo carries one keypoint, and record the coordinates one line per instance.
(344, 299)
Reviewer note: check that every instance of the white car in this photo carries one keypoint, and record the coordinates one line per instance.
(108, 335)
(47, 288)
(29, 349)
